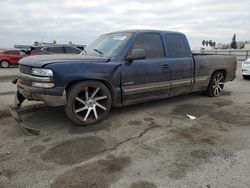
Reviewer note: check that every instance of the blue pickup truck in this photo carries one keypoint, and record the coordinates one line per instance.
(119, 69)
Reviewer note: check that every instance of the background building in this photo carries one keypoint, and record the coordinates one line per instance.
(247, 46)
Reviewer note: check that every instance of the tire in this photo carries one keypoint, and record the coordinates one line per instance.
(4, 64)
(216, 85)
(246, 77)
(88, 102)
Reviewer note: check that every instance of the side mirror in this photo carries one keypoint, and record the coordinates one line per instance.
(137, 54)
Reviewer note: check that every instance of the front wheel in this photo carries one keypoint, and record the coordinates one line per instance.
(4, 64)
(216, 85)
(88, 102)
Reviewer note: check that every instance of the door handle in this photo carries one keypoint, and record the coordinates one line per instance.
(165, 66)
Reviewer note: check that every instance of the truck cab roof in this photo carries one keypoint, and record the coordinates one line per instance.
(146, 31)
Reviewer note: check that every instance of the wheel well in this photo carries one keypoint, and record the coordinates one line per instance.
(223, 71)
(4, 60)
(107, 84)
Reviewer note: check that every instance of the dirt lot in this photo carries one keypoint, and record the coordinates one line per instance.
(151, 145)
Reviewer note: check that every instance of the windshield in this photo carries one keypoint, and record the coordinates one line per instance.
(109, 45)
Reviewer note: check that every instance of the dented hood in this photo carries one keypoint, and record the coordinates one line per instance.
(42, 60)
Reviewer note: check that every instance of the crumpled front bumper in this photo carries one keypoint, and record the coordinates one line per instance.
(52, 97)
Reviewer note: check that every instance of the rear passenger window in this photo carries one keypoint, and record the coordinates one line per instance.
(151, 43)
(72, 50)
(176, 46)
(56, 50)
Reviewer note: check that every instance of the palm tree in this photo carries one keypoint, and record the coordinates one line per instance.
(206, 43)
(203, 43)
(214, 44)
(210, 43)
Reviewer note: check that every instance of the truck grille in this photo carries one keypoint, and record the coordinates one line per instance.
(25, 69)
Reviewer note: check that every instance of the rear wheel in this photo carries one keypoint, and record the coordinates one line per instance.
(4, 64)
(216, 85)
(88, 102)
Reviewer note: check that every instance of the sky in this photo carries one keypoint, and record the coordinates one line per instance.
(81, 21)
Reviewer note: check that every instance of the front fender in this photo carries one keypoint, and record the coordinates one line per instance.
(68, 72)
(108, 73)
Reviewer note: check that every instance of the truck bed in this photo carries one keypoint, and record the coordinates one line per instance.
(207, 64)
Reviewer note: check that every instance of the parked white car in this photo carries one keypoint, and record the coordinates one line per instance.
(245, 68)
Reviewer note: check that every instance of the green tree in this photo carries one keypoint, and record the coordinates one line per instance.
(234, 43)
(206, 43)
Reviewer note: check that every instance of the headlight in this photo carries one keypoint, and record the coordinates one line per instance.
(41, 72)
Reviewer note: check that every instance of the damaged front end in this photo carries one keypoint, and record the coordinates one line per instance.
(36, 84)
(50, 97)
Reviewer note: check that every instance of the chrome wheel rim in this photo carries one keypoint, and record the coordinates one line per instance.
(218, 84)
(90, 104)
(4, 64)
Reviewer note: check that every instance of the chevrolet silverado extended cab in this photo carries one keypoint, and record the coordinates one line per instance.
(122, 68)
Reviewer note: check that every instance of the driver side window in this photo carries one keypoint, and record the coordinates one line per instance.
(151, 43)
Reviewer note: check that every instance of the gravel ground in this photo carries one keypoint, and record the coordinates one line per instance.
(150, 145)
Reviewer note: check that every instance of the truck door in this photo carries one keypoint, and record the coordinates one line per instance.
(148, 78)
(181, 64)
